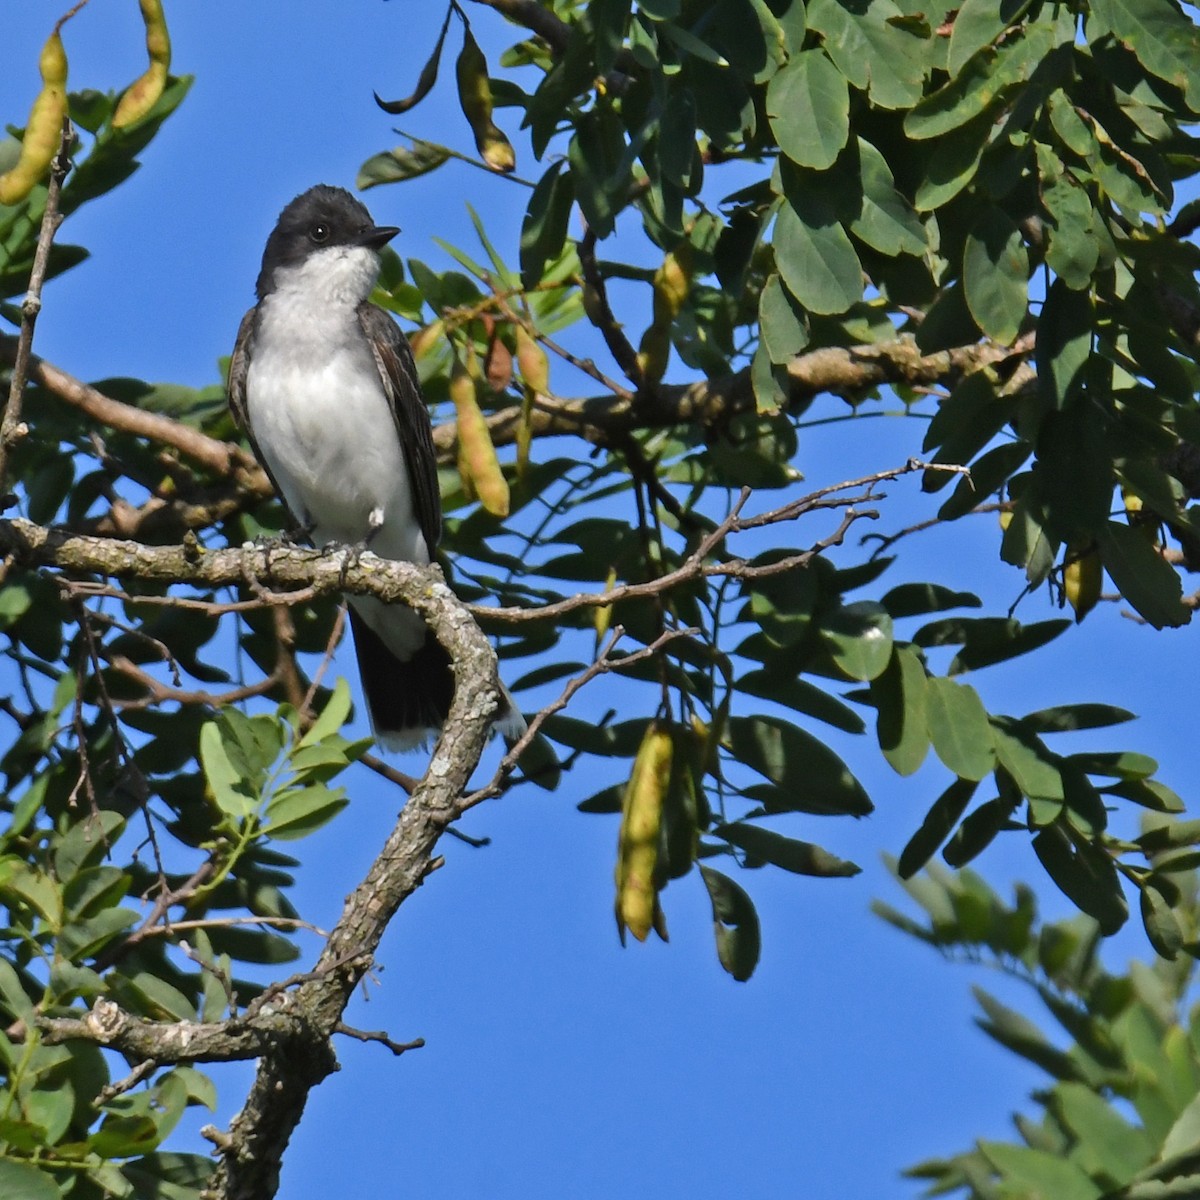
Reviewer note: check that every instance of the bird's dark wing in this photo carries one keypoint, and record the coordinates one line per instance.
(403, 390)
(239, 364)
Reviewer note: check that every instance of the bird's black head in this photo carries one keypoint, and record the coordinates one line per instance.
(323, 218)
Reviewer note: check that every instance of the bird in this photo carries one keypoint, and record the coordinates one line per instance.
(324, 385)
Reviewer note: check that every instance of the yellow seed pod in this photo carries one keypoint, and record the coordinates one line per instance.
(531, 358)
(145, 91)
(424, 339)
(637, 906)
(1006, 518)
(477, 462)
(603, 614)
(43, 132)
(1082, 578)
(672, 282)
(654, 353)
(475, 97)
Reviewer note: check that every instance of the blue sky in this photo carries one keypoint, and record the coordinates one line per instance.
(557, 1063)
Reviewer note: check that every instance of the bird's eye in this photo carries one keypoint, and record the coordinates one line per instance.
(319, 232)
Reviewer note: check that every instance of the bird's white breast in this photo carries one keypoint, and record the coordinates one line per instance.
(319, 412)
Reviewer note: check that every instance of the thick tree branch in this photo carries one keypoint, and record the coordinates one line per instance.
(222, 458)
(712, 402)
(290, 1032)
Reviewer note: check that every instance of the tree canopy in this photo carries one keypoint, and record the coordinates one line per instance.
(972, 215)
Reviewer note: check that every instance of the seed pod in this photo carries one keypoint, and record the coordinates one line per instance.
(477, 462)
(653, 354)
(602, 617)
(637, 906)
(498, 366)
(475, 97)
(424, 339)
(672, 282)
(531, 358)
(145, 91)
(43, 132)
(1082, 578)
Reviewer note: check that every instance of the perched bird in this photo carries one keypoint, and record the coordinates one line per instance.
(325, 386)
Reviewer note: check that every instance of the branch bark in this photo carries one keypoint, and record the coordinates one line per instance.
(291, 1032)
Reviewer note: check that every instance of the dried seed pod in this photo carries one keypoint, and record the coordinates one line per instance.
(145, 91)
(477, 462)
(475, 97)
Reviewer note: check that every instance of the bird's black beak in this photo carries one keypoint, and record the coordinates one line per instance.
(377, 236)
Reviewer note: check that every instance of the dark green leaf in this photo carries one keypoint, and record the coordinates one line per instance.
(544, 229)
(810, 775)
(899, 698)
(1064, 343)
(1144, 577)
(735, 924)
(996, 275)
(1086, 875)
(801, 858)
(936, 827)
(1067, 717)
(1162, 926)
(978, 831)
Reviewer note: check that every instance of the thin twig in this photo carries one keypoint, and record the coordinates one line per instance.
(367, 1035)
(601, 666)
(12, 428)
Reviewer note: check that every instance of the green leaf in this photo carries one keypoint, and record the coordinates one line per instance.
(873, 49)
(915, 599)
(808, 106)
(333, 715)
(996, 275)
(859, 637)
(818, 263)
(1162, 926)
(735, 924)
(811, 777)
(20, 1181)
(1143, 576)
(784, 330)
(978, 24)
(296, 812)
(945, 813)
(899, 698)
(801, 696)
(395, 166)
(978, 831)
(958, 728)
(887, 222)
(1037, 1173)
(1064, 343)
(801, 858)
(226, 784)
(1065, 718)
(544, 228)
(1023, 755)
(1086, 876)
(86, 840)
(1166, 43)
(1121, 764)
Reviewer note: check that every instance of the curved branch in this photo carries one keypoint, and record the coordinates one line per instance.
(222, 458)
(848, 372)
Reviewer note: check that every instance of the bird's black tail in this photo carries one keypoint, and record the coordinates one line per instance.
(406, 701)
